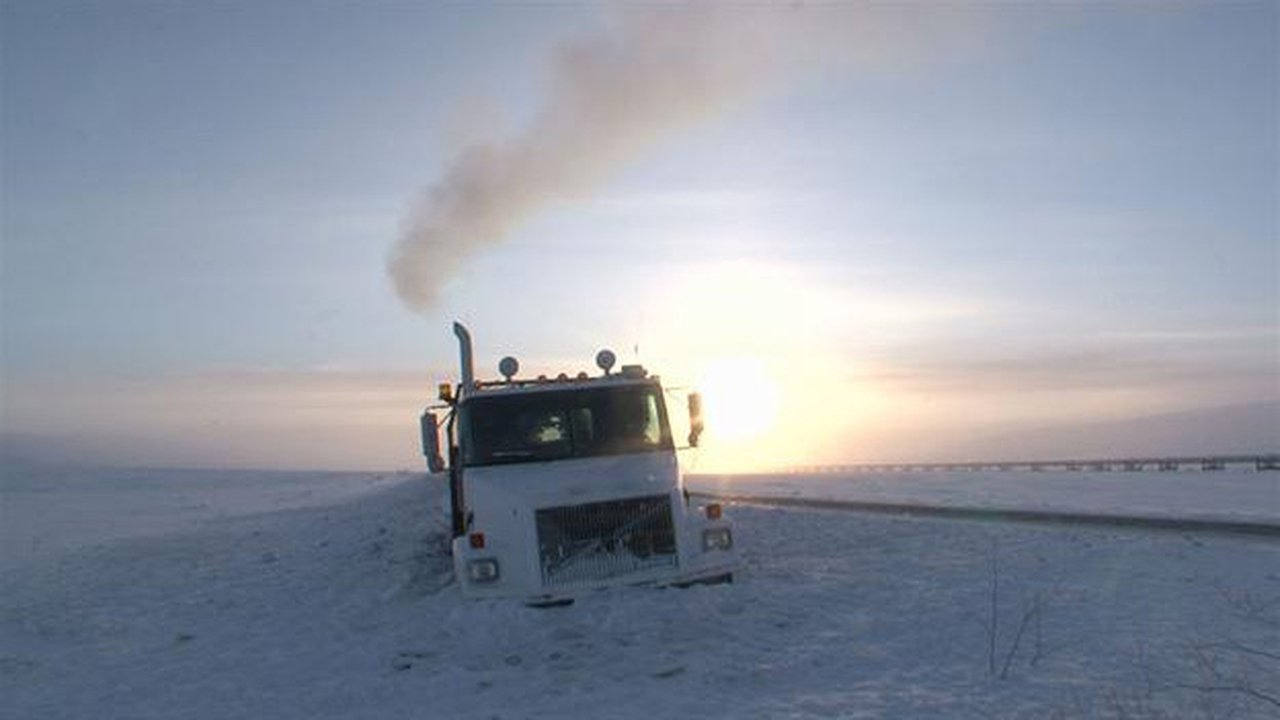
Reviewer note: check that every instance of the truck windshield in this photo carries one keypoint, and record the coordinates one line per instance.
(539, 426)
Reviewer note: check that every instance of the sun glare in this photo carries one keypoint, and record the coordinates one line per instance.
(765, 346)
(740, 398)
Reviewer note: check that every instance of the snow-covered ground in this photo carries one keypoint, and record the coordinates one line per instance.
(46, 512)
(305, 595)
(1233, 494)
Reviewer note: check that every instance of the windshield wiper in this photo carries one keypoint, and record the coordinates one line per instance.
(502, 457)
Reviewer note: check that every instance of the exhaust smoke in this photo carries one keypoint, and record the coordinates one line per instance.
(614, 95)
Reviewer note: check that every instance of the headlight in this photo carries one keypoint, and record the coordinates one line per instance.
(482, 571)
(717, 539)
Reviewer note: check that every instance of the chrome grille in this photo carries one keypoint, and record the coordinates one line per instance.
(598, 541)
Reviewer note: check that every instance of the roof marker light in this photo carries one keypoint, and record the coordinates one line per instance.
(634, 372)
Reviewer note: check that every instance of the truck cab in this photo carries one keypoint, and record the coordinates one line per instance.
(563, 485)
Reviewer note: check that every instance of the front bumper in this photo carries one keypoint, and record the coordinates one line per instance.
(520, 573)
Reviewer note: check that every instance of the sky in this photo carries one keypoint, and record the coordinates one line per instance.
(236, 234)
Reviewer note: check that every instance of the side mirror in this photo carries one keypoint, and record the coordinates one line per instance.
(695, 418)
(431, 442)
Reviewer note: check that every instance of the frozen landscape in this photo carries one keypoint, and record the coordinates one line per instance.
(1236, 494)
(718, 236)
(165, 594)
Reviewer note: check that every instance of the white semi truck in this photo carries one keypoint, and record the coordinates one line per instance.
(562, 485)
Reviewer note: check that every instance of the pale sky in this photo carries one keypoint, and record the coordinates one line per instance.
(1039, 216)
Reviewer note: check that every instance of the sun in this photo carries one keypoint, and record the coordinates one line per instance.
(739, 399)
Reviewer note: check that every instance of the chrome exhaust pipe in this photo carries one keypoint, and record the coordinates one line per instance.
(464, 351)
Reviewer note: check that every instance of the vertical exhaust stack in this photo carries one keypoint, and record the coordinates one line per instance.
(464, 352)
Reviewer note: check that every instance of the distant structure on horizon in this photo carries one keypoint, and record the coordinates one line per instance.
(1268, 461)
